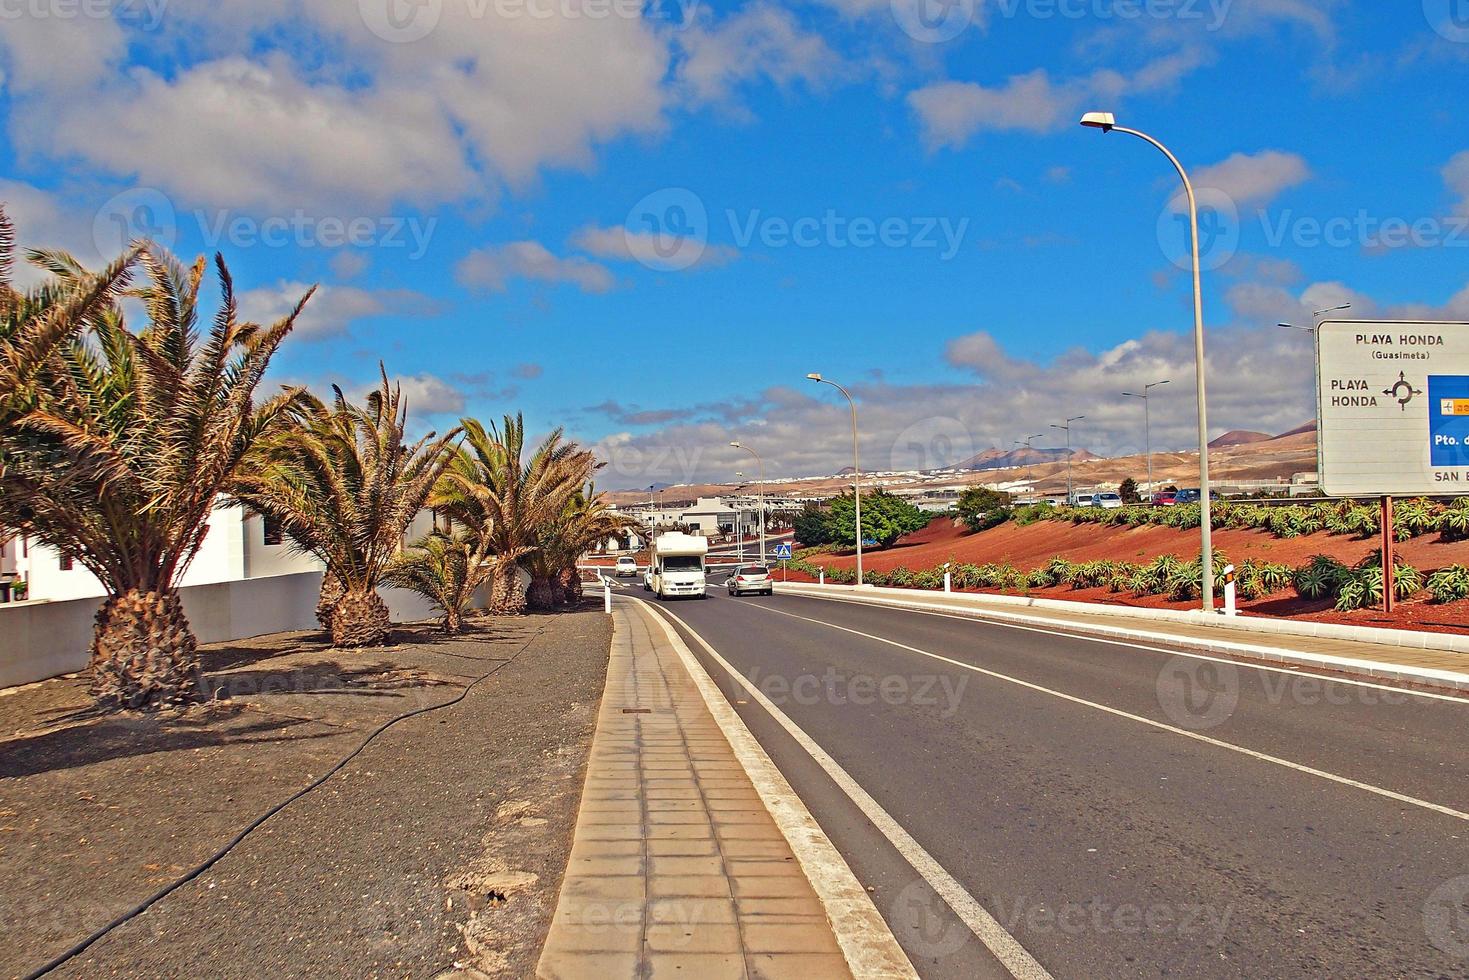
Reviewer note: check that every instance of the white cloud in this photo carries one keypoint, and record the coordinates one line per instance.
(1255, 179)
(950, 113)
(349, 265)
(329, 114)
(492, 268)
(1456, 177)
(760, 41)
(332, 309)
(624, 245)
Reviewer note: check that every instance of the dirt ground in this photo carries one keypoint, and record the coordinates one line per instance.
(393, 867)
(1035, 544)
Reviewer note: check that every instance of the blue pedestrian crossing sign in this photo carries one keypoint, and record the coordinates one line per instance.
(783, 552)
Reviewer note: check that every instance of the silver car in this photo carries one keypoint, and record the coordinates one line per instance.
(750, 578)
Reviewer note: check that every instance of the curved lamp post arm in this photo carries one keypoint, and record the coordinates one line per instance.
(856, 467)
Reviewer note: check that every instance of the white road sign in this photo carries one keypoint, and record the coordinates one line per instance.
(1393, 402)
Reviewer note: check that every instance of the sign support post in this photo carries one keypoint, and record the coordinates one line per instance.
(1388, 569)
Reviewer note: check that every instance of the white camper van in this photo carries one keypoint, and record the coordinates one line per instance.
(678, 565)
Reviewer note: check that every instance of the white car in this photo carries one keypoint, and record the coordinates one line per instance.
(1084, 500)
(750, 578)
(1107, 501)
(626, 567)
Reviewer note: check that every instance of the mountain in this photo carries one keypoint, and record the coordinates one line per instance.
(1299, 430)
(1239, 437)
(996, 459)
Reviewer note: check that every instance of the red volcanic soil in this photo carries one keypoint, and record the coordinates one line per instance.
(1032, 546)
(1035, 544)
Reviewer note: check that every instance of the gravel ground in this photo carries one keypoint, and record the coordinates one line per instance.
(395, 867)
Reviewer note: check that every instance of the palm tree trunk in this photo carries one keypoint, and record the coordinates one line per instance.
(569, 581)
(360, 619)
(144, 656)
(544, 594)
(453, 621)
(332, 591)
(507, 595)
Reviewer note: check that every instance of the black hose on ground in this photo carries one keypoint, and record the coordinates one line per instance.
(214, 858)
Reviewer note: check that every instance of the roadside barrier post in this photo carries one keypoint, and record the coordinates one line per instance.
(946, 577)
(606, 594)
(821, 574)
(1229, 609)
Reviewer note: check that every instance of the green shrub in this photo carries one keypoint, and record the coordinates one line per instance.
(1321, 577)
(1449, 584)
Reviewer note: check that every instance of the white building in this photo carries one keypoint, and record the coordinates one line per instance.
(239, 544)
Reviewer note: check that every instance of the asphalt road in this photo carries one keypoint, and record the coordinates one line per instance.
(1120, 811)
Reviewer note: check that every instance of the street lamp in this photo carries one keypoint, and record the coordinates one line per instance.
(761, 463)
(1317, 315)
(1107, 122)
(856, 467)
(1147, 430)
(1067, 427)
(1029, 459)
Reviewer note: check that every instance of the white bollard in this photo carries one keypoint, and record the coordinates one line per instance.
(946, 578)
(821, 574)
(1229, 608)
(606, 594)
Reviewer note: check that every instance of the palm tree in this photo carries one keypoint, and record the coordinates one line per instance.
(121, 446)
(345, 485)
(446, 569)
(491, 486)
(584, 520)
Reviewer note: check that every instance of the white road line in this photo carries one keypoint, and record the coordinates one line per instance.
(1217, 743)
(1138, 645)
(1005, 947)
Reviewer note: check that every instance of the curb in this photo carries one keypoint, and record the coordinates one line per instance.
(870, 949)
(1369, 668)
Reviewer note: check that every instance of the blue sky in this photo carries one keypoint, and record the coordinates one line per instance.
(893, 193)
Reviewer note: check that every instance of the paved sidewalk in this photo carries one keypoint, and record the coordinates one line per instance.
(1439, 667)
(677, 868)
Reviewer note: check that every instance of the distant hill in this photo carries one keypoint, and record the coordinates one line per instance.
(996, 459)
(1239, 437)
(1299, 430)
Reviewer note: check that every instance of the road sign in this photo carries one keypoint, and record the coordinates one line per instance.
(783, 551)
(1393, 404)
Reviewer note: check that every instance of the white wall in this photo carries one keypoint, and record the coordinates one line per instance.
(43, 639)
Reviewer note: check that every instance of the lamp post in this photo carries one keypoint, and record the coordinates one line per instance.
(1147, 429)
(1107, 123)
(739, 527)
(1067, 428)
(856, 467)
(1026, 442)
(1317, 316)
(761, 463)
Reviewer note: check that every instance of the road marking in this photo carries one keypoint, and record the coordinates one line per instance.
(1136, 645)
(1005, 947)
(1118, 712)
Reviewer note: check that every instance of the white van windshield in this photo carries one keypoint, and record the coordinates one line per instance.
(682, 563)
